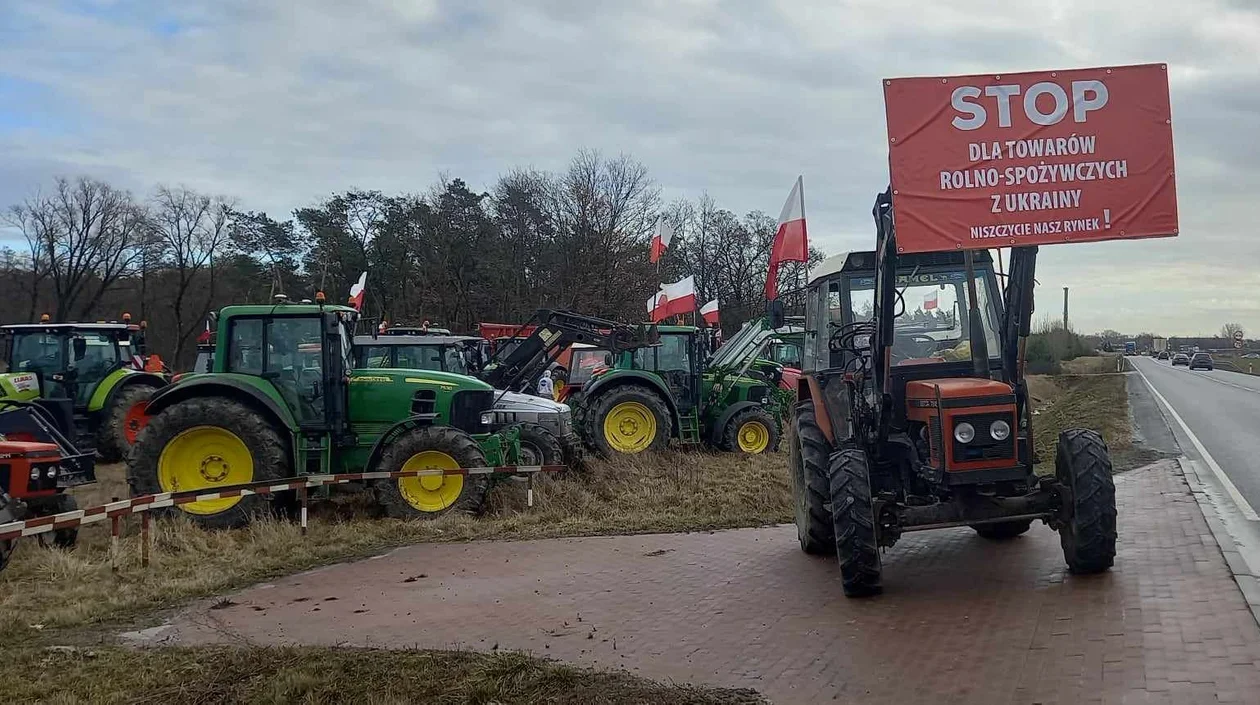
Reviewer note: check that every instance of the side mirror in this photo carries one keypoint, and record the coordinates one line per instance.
(774, 311)
(80, 348)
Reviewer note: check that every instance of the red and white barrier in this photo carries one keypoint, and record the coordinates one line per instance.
(144, 503)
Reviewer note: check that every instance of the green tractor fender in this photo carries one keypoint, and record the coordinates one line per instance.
(620, 377)
(719, 427)
(240, 388)
(393, 432)
(115, 382)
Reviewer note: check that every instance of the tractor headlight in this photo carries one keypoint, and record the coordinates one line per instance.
(964, 432)
(52, 471)
(487, 417)
(1000, 430)
(34, 473)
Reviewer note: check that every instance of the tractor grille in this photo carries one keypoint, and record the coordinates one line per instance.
(466, 408)
(983, 446)
(422, 402)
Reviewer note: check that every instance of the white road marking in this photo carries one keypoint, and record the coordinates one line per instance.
(1234, 494)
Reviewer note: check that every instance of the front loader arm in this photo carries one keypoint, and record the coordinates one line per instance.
(557, 330)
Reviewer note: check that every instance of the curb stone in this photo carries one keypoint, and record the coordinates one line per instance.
(1246, 576)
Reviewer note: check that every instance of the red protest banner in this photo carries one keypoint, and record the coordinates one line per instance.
(980, 162)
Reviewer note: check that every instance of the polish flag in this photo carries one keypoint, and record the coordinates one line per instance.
(790, 241)
(680, 297)
(356, 292)
(673, 300)
(929, 300)
(710, 312)
(661, 239)
(656, 307)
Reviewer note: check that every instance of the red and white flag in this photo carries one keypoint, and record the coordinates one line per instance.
(929, 300)
(710, 312)
(660, 239)
(356, 292)
(673, 299)
(656, 306)
(791, 244)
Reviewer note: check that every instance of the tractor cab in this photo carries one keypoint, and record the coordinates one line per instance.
(88, 376)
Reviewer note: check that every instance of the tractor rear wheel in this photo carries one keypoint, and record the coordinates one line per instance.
(1002, 530)
(853, 520)
(628, 419)
(207, 443)
(810, 489)
(751, 431)
(1088, 536)
(431, 496)
(122, 422)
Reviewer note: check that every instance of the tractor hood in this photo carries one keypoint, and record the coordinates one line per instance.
(516, 401)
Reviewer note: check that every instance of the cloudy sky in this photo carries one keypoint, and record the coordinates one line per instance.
(277, 103)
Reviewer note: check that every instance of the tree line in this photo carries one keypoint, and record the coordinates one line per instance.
(576, 239)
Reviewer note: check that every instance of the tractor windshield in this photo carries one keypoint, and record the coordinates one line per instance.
(931, 314)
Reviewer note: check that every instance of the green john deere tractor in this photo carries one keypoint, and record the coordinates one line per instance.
(667, 391)
(93, 366)
(283, 399)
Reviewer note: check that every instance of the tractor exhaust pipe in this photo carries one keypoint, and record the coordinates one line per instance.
(975, 324)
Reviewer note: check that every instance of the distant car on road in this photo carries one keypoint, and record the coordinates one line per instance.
(1181, 359)
(1201, 361)
(1251, 356)
(1163, 355)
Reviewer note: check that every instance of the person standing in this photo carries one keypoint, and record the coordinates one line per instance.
(545, 387)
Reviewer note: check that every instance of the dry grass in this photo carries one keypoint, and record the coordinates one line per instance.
(1093, 400)
(327, 675)
(677, 491)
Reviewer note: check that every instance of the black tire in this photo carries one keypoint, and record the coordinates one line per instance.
(456, 444)
(810, 488)
(268, 450)
(59, 504)
(573, 452)
(539, 446)
(736, 426)
(853, 520)
(1003, 530)
(601, 406)
(111, 435)
(1088, 536)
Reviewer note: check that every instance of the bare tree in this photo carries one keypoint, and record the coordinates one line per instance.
(34, 219)
(86, 234)
(1230, 329)
(189, 232)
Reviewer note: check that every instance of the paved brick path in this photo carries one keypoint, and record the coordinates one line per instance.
(962, 620)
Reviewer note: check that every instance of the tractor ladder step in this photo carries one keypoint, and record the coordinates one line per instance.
(689, 429)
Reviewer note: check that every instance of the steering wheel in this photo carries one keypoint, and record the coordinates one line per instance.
(924, 345)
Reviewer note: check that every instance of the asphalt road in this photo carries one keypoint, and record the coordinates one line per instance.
(1215, 416)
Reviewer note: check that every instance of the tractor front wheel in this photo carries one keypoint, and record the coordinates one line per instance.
(122, 422)
(853, 520)
(628, 419)
(1088, 536)
(431, 496)
(59, 504)
(206, 443)
(539, 446)
(807, 458)
(751, 431)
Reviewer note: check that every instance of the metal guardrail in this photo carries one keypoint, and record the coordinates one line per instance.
(142, 505)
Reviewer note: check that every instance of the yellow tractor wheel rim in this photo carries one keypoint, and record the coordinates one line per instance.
(630, 427)
(753, 437)
(431, 493)
(205, 457)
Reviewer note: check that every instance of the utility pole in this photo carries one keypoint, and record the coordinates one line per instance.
(1065, 318)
